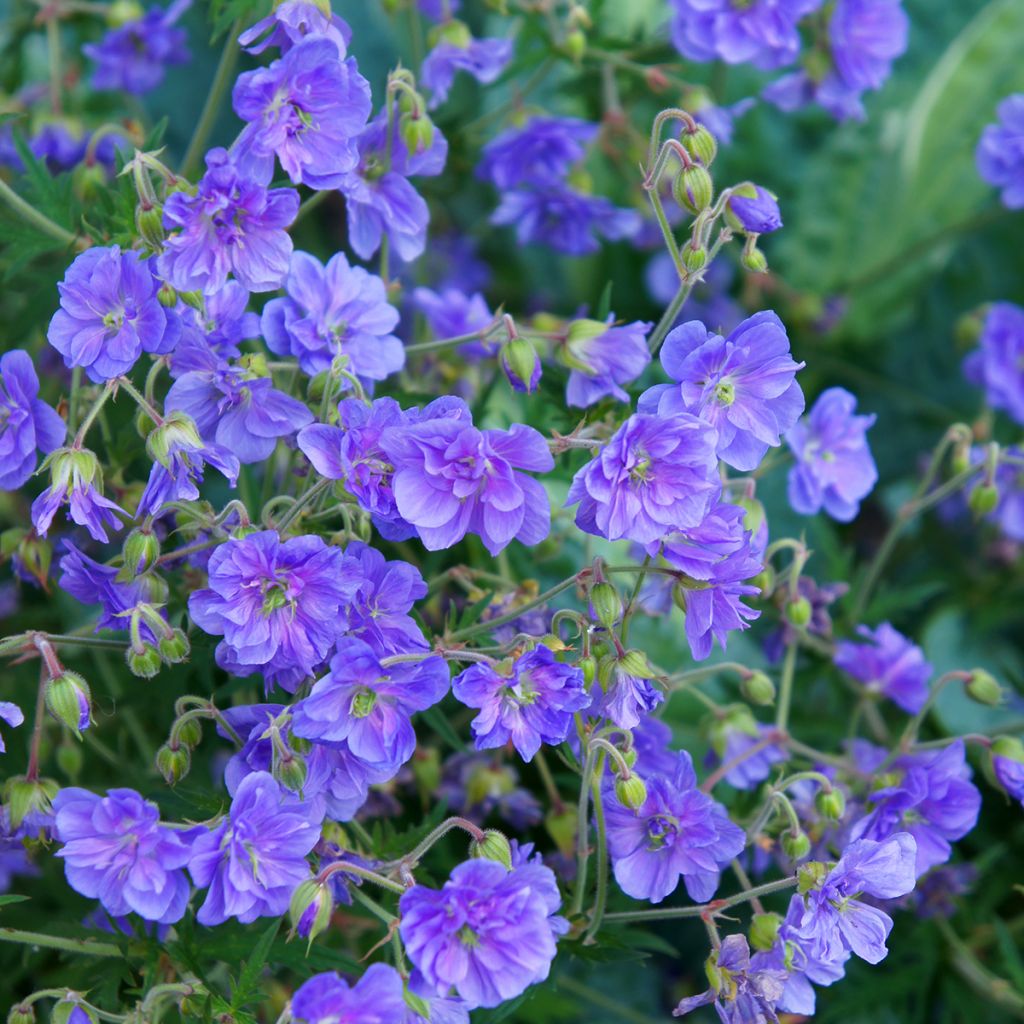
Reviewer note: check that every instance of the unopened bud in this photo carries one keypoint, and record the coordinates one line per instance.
(173, 763)
(174, 647)
(167, 296)
(417, 132)
(983, 499)
(21, 1013)
(694, 257)
(70, 759)
(983, 688)
(290, 771)
(754, 260)
(144, 662)
(575, 45)
(195, 300)
(177, 431)
(631, 792)
(561, 826)
(149, 222)
(798, 612)
(764, 930)
(607, 605)
(188, 732)
(796, 845)
(140, 552)
(493, 846)
(831, 803)
(700, 144)
(25, 797)
(758, 689)
(310, 908)
(588, 666)
(68, 700)
(521, 364)
(71, 1011)
(635, 663)
(693, 188)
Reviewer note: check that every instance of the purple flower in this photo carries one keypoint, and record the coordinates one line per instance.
(721, 121)
(1000, 153)
(888, 664)
(240, 412)
(624, 697)
(759, 32)
(230, 226)
(743, 385)
(109, 313)
(75, 481)
(132, 57)
(741, 992)
(541, 152)
(91, 583)
(679, 832)
(733, 736)
(255, 858)
(834, 467)
(307, 108)
(755, 210)
(1007, 765)
(996, 364)
(27, 423)
(379, 611)
(115, 850)
(790, 954)
(533, 704)
(928, 795)
(180, 457)
(602, 358)
(489, 933)
(1008, 514)
(451, 312)
(337, 310)
(368, 707)
(220, 328)
(836, 920)
(379, 199)
(12, 715)
(278, 605)
(564, 219)
(655, 475)
(442, 1009)
(292, 21)
(452, 479)
(377, 998)
(457, 50)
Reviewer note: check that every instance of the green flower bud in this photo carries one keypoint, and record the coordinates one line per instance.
(700, 144)
(629, 756)
(167, 296)
(188, 732)
(754, 260)
(798, 612)
(61, 1012)
(21, 1013)
(796, 845)
(417, 132)
(764, 930)
(290, 771)
(758, 689)
(174, 647)
(983, 688)
(419, 1006)
(521, 365)
(588, 666)
(70, 759)
(149, 222)
(693, 188)
(68, 700)
(831, 804)
(764, 581)
(173, 763)
(455, 32)
(561, 826)
(121, 12)
(310, 908)
(575, 45)
(810, 876)
(983, 499)
(631, 792)
(607, 605)
(144, 662)
(493, 846)
(25, 796)
(195, 300)
(140, 552)
(35, 553)
(1009, 747)
(582, 331)
(178, 430)
(694, 258)
(635, 663)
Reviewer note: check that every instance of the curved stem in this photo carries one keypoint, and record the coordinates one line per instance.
(361, 872)
(702, 909)
(31, 216)
(415, 855)
(88, 947)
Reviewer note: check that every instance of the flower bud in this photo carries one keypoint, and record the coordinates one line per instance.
(693, 188)
(588, 666)
(417, 132)
(25, 797)
(493, 846)
(561, 826)
(631, 792)
(983, 499)
(311, 908)
(140, 552)
(67, 699)
(831, 803)
(174, 647)
(754, 260)
(796, 845)
(167, 296)
(700, 144)
(694, 257)
(1009, 747)
(33, 555)
(575, 45)
(764, 930)
(798, 612)
(290, 771)
(70, 760)
(758, 689)
(635, 663)
(455, 32)
(149, 222)
(194, 300)
(188, 732)
(173, 762)
(629, 755)
(983, 688)
(607, 606)
(22, 1013)
(144, 662)
(71, 1011)
(810, 876)
(419, 1006)
(121, 12)
(177, 431)
(521, 364)
(753, 210)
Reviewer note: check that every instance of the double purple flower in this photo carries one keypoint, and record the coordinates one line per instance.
(889, 664)
(27, 424)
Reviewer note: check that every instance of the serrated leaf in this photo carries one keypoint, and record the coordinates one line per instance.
(249, 979)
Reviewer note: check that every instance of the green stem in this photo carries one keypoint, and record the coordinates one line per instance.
(76, 386)
(140, 400)
(310, 204)
(583, 833)
(311, 495)
(89, 947)
(372, 906)
(601, 895)
(461, 339)
(723, 769)
(90, 416)
(702, 909)
(33, 217)
(682, 680)
(418, 852)
(631, 603)
(786, 688)
(990, 986)
(222, 80)
(361, 872)
(501, 620)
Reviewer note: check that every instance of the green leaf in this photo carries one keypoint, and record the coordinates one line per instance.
(249, 979)
(12, 898)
